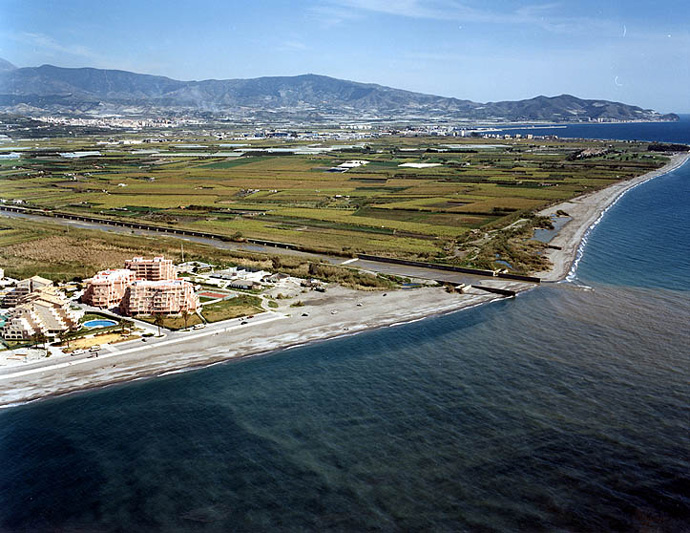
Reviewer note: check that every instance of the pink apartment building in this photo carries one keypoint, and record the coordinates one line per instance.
(143, 287)
(156, 269)
(107, 288)
(145, 297)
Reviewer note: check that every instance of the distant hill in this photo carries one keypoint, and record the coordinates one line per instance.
(6, 65)
(75, 91)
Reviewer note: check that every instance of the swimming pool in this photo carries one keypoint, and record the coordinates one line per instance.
(100, 323)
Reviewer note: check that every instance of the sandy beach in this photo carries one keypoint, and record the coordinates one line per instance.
(336, 312)
(585, 211)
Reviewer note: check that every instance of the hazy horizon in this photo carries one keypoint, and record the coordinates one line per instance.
(628, 52)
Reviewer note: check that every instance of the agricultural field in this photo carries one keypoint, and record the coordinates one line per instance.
(457, 192)
(29, 248)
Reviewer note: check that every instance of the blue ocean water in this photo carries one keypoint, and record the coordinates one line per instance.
(673, 132)
(565, 409)
(644, 240)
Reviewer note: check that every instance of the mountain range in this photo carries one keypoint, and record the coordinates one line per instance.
(94, 92)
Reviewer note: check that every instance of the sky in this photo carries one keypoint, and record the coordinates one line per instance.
(635, 51)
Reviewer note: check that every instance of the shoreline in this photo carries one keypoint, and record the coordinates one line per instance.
(586, 212)
(338, 313)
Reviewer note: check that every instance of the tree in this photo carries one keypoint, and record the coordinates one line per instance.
(66, 338)
(125, 326)
(40, 338)
(185, 317)
(159, 320)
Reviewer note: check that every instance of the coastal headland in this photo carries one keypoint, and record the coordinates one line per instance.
(337, 312)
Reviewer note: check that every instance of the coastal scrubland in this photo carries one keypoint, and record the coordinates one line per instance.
(475, 208)
(52, 251)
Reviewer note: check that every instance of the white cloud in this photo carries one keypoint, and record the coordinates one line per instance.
(546, 16)
(438, 9)
(48, 44)
(328, 16)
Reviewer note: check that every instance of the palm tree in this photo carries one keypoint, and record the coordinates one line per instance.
(66, 338)
(40, 338)
(124, 326)
(159, 320)
(185, 317)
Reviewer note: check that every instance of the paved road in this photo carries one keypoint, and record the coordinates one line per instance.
(111, 350)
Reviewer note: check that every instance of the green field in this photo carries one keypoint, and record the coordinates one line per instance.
(29, 248)
(242, 305)
(436, 213)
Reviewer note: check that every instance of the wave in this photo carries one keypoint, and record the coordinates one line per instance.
(396, 324)
(16, 404)
(172, 372)
(572, 273)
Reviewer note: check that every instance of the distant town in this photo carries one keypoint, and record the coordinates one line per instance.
(173, 128)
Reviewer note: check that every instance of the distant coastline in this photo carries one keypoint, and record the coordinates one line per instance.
(338, 312)
(551, 125)
(674, 131)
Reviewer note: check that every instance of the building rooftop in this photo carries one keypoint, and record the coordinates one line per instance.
(155, 259)
(40, 280)
(112, 273)
(159, 283)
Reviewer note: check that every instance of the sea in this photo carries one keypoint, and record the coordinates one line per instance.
(565, 409)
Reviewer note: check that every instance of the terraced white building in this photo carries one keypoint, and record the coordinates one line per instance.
(42, 312)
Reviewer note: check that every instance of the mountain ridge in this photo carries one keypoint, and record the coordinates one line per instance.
(88, 90)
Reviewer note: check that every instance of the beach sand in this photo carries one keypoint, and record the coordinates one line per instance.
(336, 312)
(585, 211)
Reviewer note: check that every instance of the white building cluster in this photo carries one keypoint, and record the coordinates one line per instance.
(38, 309)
